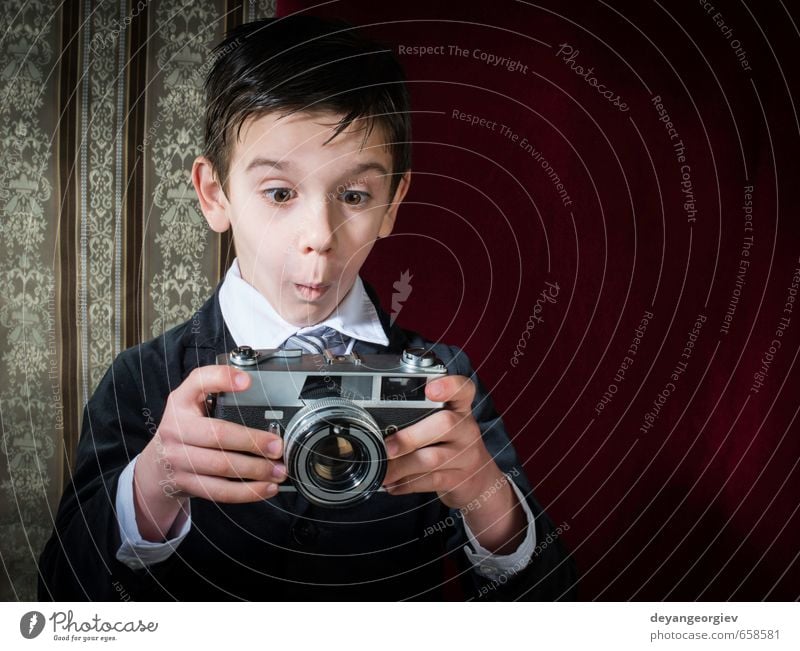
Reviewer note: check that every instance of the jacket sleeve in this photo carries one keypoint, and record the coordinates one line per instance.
(551, 574)
(79, 560)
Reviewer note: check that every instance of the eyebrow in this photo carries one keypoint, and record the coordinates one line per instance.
(266, 162)
(367, 167)
(284, 165)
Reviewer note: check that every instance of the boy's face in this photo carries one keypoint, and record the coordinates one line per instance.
(304, 215)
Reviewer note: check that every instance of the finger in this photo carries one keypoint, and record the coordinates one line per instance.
(427, 459)
(440, 481)
(232, 465)
(436, 428)
(223, 435)
(229, 491)
(458, 391)
(208, 379)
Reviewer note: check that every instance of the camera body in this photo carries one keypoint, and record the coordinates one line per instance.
(332, 411)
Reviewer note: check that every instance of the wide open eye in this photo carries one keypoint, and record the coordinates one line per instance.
(279, 195)
(354, 197)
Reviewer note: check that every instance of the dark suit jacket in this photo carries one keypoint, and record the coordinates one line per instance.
(282, 548)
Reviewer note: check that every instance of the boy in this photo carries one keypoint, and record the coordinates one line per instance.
(307, 158)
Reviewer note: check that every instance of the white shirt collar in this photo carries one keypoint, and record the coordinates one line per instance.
(252, 321)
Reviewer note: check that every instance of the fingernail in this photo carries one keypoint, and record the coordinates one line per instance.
(240, 380)
(391, 447)
(435, 391)
(272, 489)
(274, 448)
(279, 471)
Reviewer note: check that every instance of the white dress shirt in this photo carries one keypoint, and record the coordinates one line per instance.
(251, 319)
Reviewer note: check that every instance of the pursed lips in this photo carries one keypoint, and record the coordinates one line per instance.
(311, 291)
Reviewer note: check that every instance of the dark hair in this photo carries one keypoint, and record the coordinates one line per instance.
(304, 63)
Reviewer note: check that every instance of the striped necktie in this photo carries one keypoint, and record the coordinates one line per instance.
(317, 340)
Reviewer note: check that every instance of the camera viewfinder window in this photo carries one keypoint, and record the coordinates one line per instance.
(351, 387)
(403, 388)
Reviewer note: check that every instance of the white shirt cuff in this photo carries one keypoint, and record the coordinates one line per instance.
(492, 566)
(135, 551)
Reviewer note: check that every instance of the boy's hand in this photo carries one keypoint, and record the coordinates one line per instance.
(445, 453)
(194, 455)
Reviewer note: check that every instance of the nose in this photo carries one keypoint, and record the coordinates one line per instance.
(317, 230)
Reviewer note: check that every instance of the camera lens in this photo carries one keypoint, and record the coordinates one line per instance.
(335, 452)
(333, 457)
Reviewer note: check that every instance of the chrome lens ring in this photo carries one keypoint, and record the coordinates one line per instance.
(304, 437)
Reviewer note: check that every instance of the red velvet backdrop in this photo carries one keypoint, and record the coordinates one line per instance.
(671, 465)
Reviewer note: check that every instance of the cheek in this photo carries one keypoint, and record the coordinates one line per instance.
(268, 237)
(361, 229)
(356, 255)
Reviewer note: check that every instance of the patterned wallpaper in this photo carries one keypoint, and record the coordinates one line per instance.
(100, 118)
(30, 407)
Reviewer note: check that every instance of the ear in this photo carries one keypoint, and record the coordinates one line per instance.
(213, 201)
(387, 225)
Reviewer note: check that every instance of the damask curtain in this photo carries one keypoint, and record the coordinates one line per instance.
(101, 115)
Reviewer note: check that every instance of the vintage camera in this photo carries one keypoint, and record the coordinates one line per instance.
(332, 411)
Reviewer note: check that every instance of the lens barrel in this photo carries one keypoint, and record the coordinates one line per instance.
(335, 454)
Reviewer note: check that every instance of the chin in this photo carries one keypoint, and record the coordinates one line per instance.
(305, 317)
